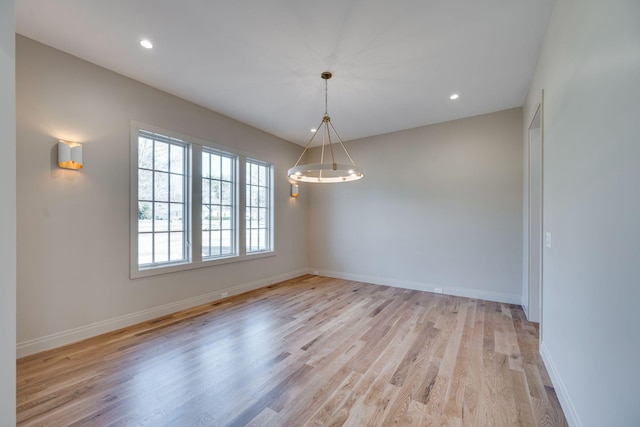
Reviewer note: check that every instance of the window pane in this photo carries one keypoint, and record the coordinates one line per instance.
(206, 217)
(206, 243)
(226, 168)
(262, 218)
(176, 249)
(206, 192)
(226, 218)
(206, 160)
(262, 197)
(145, 185)
(177, 159)
(145, 153)
(215, 217)
(177, 188)
(176, 217)
(254, 174)
(262, 238)
(254, 240)
(161, 217)
(215, 243)
(161, 156)
(262, 175)
(145, 248)
(226, 193)
(215, 192)
(161, 186)
(161, 247)
(145, 217)
(226, 242)
(215, 166)
(254, 196)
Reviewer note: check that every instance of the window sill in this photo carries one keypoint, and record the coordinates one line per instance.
(174, 268)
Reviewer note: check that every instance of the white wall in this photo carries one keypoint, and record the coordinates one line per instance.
(440, 207)
(589, 69)
(7, 215)
(73, 226)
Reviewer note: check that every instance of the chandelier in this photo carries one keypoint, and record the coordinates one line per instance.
(326, 172)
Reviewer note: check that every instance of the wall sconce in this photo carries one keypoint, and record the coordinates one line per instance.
(295, 190)
(69, 155)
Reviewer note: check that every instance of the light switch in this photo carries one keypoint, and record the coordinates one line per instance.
(547, 239)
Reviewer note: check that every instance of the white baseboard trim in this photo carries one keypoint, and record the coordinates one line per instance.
(58, 339)
(565, 401)
(418, 286)
(525, 308)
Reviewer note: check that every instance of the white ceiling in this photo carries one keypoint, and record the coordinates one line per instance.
(394, 63)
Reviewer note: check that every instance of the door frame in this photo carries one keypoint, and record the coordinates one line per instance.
(534, 213)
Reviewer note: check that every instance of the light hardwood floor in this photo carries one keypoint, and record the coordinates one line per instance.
(311, 351)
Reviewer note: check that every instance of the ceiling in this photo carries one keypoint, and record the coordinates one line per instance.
(394, 63)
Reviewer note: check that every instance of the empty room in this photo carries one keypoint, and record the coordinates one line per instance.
(341, 213)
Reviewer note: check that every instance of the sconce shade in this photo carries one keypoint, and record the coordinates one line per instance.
(69, 155)
(295, 190)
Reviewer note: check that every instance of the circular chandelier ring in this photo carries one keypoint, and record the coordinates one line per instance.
(325, 173)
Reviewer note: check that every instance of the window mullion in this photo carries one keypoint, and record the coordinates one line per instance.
(195, 197)
(169, 179)
(272, 209)
(242, 206)
(153, 202)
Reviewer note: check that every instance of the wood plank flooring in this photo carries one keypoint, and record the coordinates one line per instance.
(311, 351)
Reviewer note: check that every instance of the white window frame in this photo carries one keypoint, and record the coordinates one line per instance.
(155, 201)
(269, 204)
(233, 203)
(193, 223)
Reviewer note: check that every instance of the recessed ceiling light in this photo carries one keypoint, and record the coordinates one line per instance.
(314, 130)
(146, 44)
(454, 96)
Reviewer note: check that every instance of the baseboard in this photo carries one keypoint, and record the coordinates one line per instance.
(525, 308)
(418, 286)
(48, 342)
(565, 401)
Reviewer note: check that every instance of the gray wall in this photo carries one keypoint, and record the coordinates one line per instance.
(440, 207)
(7, 215)
(589, 69)
(73, 226)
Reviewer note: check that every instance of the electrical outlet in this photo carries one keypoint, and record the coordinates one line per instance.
(438, 290)
(224, 294)
(316, 273)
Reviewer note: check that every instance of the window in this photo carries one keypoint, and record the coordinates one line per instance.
(258, 192)
(161, 200)
(218, 204)
(186, 198)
